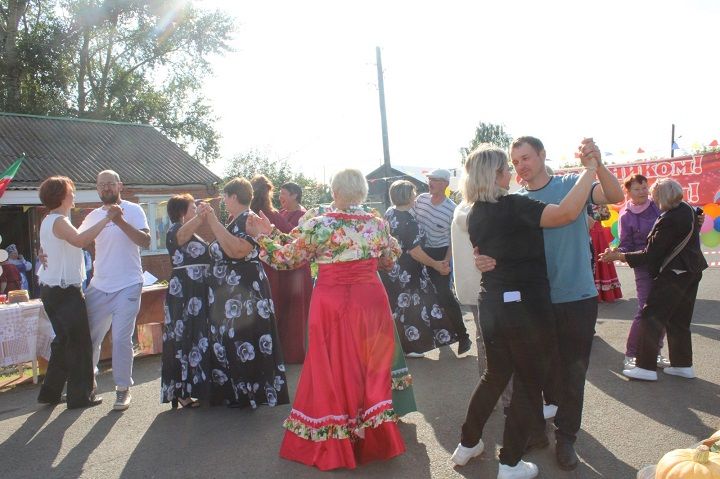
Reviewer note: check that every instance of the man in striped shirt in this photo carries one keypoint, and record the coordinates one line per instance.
(434, 213)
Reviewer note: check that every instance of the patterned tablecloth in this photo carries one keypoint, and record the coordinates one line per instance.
(25, 334)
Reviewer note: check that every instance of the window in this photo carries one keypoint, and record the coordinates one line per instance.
(155, 207)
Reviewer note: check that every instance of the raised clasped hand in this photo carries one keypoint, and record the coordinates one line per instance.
(114, 212)
(589, 153)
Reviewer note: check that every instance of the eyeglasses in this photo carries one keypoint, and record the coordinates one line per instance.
(102, 186)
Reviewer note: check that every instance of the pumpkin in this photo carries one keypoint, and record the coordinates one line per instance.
(712, 441)
(689, 464)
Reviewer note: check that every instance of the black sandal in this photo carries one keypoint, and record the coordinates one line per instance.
(186, 403)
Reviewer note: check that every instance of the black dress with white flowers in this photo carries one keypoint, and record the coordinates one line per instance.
(185, 356)
(421, 323)
(246, 358)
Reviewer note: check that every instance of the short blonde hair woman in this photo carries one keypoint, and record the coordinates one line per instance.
(667, 193)
(515, 309)
(346, 374)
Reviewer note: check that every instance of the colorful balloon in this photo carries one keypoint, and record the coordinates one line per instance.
(614, 230)
(709, 224)
(710, 239)
(712, 209)
(612, 220)
(716, 223)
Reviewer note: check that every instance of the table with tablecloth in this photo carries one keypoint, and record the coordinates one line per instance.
(25, 334)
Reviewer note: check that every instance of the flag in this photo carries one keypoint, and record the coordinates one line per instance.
(714, 143)
(9, 174)
(640, 150)
(675, 146)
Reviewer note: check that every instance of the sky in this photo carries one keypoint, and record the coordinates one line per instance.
(301, 83)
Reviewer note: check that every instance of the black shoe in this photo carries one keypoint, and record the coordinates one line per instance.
(565, 454)
(93, 401)
(52, 401)
(464, 345)
(537, 442)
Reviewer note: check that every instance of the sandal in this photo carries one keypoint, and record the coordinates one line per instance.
(186, 403)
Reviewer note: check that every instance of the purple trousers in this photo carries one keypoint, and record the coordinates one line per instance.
(643, 284)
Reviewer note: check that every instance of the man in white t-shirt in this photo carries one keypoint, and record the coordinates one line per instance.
(113, 296)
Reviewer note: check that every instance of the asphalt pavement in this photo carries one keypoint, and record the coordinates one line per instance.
(626, 424)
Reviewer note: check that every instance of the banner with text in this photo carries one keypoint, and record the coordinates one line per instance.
(699, 175)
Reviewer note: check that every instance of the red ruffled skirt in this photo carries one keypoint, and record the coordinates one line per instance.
(343, 413)
(606, 278)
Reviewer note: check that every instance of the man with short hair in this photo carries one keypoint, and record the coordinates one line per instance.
(572, 286)
(113, 296)
(434, 213)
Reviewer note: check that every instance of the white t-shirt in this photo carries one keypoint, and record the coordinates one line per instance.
(65, 265)
(117, 259)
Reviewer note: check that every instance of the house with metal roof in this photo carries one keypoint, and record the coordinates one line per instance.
(151, 167)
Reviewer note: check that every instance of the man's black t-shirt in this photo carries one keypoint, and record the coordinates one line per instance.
(509, 231)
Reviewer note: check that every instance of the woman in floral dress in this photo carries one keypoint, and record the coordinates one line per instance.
(246, 359)
(185, 373)
(343, 412)
(420, 321)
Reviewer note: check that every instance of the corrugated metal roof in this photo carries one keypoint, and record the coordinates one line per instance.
(80, 149)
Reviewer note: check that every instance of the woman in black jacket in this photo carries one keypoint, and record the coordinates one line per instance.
(675, 262)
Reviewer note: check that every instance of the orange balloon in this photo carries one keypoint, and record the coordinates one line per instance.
(712, 209)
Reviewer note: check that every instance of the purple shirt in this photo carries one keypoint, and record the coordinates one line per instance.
(634, 228)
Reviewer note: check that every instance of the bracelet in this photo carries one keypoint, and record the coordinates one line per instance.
(594, 168)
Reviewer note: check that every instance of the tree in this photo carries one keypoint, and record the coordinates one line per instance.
(122, 60)
(487, 133)
(252, 163)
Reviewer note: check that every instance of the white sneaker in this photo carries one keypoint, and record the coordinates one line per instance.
(662, 361)
(521, 470)
(629, 362)
(463, 454)
(688, 373)
(549, 411)
(640, 373)
(414, 355)
(122, 399)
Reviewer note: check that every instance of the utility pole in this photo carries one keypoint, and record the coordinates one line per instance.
(672, 142)
(383, 116)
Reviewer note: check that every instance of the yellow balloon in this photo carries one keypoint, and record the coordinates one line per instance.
(613, 219)
(447, 191)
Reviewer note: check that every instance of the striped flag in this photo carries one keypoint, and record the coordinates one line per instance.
(9, 174)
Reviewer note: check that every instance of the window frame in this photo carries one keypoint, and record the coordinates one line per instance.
(152, 201)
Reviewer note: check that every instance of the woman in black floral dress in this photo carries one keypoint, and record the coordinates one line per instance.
(185, 374)
(246, 359)
(420, 321)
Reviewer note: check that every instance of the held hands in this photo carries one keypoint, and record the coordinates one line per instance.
(205, 212)
(385, 263)
(258, 225)
(114, 212)
(482, 262)
(610, 255)
(589, 154)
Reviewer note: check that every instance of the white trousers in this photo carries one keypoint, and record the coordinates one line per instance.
(119, 310)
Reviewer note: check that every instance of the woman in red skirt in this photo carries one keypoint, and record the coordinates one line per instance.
(606, 278)
(343, 412)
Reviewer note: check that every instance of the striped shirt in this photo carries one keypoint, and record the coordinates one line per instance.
(435, 220)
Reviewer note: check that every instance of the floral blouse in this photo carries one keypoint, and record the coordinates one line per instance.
(330, 236)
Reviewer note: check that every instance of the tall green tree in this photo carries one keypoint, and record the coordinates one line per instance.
(122, 60)
(254, 162)
(487, 133)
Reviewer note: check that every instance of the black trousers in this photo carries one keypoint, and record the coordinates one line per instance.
(71, 350)
(516, 344)
(446, 297)
(564, 384)
(669, 306)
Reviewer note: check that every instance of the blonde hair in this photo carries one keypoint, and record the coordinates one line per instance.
(479, 177)
(350, 185)
(667, 193)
